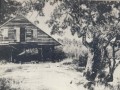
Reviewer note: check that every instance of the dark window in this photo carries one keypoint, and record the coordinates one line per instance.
(22, 34)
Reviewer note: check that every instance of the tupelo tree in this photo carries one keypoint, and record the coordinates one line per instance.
(90, 19)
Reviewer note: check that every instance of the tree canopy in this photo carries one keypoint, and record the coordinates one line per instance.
(7, 7)
(98, 18)
(10, 8)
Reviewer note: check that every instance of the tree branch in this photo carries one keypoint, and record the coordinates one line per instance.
(117, 65)
(84, 41)
(112, 37)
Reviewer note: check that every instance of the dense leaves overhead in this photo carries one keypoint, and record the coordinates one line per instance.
(97, 17)
(81, 16)
(7, 7)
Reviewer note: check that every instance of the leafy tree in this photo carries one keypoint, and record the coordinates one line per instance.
(10, 8)
(7, 8)
(96, 20)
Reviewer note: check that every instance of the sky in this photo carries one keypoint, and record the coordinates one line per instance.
(48, 9)
(42, 21)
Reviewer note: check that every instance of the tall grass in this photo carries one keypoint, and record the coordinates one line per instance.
(101, 86)
(74, 49)
(5, 84)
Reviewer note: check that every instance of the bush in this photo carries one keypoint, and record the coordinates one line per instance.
(59, 54)
(83, 60)
(72, 48)
(3, 62)
(5, 84)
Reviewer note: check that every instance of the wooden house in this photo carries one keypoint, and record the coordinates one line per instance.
(22, 36)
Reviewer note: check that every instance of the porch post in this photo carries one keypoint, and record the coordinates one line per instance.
(11, 54)
(41, 53)
(52, 53)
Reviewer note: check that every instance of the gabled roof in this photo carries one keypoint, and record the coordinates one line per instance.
(19, 20)
(22, 21)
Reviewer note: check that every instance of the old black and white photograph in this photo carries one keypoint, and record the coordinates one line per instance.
(59, 45)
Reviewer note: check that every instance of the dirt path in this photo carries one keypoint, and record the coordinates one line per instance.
(47, 76)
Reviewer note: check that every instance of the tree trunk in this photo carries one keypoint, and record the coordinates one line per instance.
(112, 63)
(93, 64)
(98, 56)
(89, 65)
(94, 59)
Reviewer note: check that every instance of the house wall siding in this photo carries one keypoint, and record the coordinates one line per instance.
(32, 32)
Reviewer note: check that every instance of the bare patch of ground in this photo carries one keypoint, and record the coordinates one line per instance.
(43, 76)
(50, 76)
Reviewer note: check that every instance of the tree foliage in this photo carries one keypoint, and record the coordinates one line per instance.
(7, 7)
(10, 8)
(99, 21)
(82, 17)
(90, 19)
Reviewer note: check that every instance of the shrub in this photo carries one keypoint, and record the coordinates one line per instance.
(5, 84)
(9, 70)
(59, 54)
(83, 59)
(3, 62)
